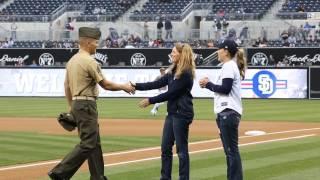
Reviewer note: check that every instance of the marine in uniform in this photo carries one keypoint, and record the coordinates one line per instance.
(83, 74)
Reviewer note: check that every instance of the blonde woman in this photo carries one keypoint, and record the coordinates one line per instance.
(179, 80)
(227, 103)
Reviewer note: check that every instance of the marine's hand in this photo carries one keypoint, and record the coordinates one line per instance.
(128, 88)
(144, 103)
(203, 82)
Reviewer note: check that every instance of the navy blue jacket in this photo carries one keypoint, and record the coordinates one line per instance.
(178, 95)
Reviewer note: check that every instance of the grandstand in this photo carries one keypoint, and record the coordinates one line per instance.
(54, 23)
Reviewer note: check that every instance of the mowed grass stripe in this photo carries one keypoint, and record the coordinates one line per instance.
(282, 150)
(73, 138)
(305, 174)
(29, 147)
(260, 159)
(38, 137)
(126, 108)
(284, 168)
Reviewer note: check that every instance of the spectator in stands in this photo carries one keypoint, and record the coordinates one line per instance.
(263, 42)
(291, 5)
(256, 43)
(150, 43)
(263, 33)
(292, 29)
(317, 31)
(96, 11)
(103, 11)
(286, 61)
(168, 28)
(221, 13)
(241, 10)
(59, 44)
(210, 44)
(225, 25)
(159, 28)
(215, 29)
(300, 8)
(131, 39)
(219, 27)
(36, 10)
(271, 60)
(292, 40)
(300, 34)
(68, 27)
(113, 34)
(67, 44)
(10, 43)
(280, 64)
(232, 34)
(105, 45)
(146, 30)
(232, 13)
(75, 45)
(33, 64)
(5, 44)
(307, 26)
(284, 37)
(14, 28)
(244, 34)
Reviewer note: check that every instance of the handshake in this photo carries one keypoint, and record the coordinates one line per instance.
(129, 87)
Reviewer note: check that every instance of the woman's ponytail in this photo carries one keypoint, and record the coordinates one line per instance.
(241, 62)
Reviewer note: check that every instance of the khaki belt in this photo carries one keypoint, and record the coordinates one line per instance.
(84, 98)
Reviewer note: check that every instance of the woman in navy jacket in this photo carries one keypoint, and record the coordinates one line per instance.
(179, 79)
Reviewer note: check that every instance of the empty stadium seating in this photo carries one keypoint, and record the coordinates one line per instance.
(278, 43)
(113, 8)
(171, 9)
(45, 44)
(297, 9)
(238, 10)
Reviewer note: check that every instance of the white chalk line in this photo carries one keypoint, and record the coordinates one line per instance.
(212, 149)
(206, 141)
(145, 149)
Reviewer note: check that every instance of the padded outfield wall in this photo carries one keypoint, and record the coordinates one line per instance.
(268, 82)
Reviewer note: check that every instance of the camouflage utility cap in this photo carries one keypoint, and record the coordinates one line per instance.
(89, 32)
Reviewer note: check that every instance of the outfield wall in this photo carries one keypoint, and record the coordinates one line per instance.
(259, 83)
(158, 56)
(314, 75)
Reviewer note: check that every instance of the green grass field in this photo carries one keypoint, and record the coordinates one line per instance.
(290, 160)
(127, 108)
(286, 160)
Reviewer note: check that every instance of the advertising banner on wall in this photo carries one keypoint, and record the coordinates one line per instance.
(293, 56)
(259, 83)
(108, 57)
(157, 57)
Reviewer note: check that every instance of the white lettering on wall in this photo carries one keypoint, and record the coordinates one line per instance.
(24, 82)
